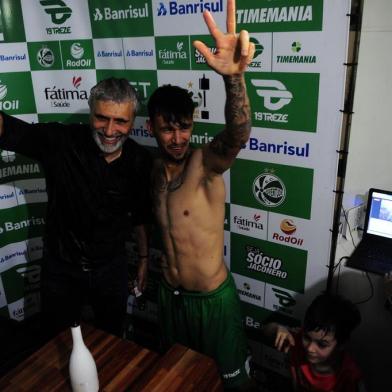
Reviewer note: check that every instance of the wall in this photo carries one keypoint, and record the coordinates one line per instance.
(370, 165)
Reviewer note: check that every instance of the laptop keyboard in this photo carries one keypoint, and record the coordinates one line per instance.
(379, 255)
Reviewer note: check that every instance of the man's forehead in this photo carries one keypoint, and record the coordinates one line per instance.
(113, 107)
(173, 120)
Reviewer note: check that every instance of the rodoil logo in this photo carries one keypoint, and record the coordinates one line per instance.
(7, 104)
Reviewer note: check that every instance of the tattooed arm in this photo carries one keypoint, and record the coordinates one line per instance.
(233, 53)
(220, 153)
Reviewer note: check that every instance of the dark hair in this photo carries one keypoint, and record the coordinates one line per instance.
(332, 313)
(173, 103)
(113, 89)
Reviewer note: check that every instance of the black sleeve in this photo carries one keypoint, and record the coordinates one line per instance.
(32, 140)
(142, 206)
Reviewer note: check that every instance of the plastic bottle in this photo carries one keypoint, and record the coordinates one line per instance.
(82, 367)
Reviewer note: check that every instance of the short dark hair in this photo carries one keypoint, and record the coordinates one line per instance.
(113, 89)
(332, 313)
(173, 103)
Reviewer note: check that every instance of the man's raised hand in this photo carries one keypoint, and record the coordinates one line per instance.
(233, 51)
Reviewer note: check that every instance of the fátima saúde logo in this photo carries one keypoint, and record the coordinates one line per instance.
(61, 97)
(269, 190)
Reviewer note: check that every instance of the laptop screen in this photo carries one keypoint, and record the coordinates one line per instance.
(380, 214)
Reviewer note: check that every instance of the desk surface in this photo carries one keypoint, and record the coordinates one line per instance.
(122, 366)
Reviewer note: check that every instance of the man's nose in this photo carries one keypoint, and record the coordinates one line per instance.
(109, 128)
(176, 136)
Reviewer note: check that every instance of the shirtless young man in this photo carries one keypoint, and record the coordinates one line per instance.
(198, 301)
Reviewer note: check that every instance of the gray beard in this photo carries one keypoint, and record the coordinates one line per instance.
(105, 148)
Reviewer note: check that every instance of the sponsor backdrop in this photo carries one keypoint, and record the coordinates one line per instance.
(280, 189)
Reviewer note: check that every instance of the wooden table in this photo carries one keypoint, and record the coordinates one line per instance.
(122, 366)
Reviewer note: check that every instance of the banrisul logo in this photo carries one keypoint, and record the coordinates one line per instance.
(61, 97)
(59, 13)
(188, 7)
(77, 54)
(269, 190)
(285, 148)
(111, 13)
(270, 16)
(172, 52)
(284, 100)
(295, 57)
(272, 187)
(111, 19)
(286, 236)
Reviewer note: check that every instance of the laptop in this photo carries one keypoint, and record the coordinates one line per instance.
(374, 252)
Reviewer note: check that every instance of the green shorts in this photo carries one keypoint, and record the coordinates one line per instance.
(209, 323)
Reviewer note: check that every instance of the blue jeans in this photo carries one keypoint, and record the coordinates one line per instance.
(66, 288)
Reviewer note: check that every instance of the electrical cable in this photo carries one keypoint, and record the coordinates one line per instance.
(371, 291)
(349, 227)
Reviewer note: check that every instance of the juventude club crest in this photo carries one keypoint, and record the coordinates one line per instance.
(269, 190)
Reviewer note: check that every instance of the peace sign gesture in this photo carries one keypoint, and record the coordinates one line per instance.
(233, 51)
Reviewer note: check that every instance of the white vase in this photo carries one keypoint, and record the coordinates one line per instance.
(82, 368)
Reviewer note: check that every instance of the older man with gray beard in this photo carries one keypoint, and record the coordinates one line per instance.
(98, 187)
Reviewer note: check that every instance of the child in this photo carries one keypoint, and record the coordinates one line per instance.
(318, 360)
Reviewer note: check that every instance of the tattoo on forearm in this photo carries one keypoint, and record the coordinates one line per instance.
(237, 113)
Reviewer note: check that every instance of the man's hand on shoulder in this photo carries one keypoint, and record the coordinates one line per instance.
(233, 51)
